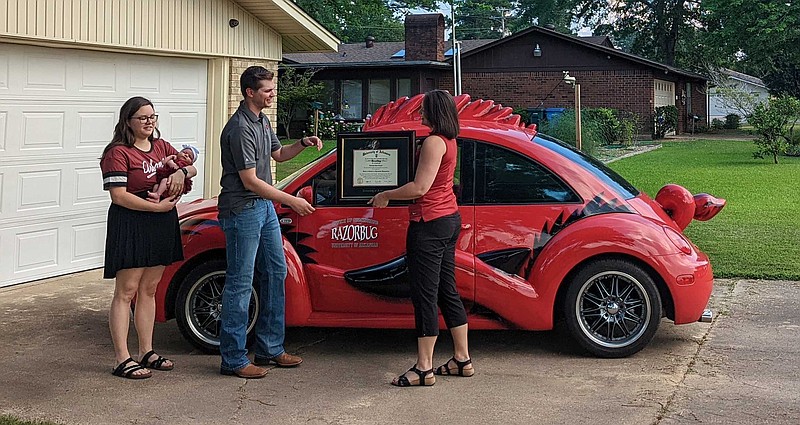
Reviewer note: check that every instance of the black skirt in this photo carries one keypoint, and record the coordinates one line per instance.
(137, 239)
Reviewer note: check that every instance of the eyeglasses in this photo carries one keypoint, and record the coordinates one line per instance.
(144, 118)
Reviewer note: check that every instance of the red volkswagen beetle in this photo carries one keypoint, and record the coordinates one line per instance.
(547, 232)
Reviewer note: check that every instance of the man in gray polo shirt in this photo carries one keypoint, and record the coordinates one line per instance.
(252, 233)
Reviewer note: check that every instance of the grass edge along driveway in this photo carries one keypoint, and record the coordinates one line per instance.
(757, 235)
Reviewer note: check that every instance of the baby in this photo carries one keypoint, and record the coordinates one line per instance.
(187, 156)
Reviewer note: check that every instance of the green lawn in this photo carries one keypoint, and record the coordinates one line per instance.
(306, 156)
(757, 235)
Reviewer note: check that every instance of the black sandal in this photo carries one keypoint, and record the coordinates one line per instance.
(445, 368)
(423, 381)
(124, 371)
(157, 364)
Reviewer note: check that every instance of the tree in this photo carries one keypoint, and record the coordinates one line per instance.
(774, 122)
(651, 28)
(295, 92)
(559, 13)
(763, 40)
(481, 19)
(353, 20)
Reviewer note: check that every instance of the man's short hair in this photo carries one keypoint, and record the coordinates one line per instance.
(251, 78)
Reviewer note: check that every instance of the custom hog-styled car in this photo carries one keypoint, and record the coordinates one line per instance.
(547, 233)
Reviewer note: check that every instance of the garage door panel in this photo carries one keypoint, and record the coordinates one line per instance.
(4, 64)
(3, 130)
(42, 130)
(87, 187)
(39, 191)
(45, 73)
(88, 242)
(95, 129)
(98, 77)
(36, 249)
(187, 80)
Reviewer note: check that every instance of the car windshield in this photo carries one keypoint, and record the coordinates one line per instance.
(290, 178)
(607, 175)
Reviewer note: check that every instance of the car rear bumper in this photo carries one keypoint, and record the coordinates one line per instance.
(690, 281)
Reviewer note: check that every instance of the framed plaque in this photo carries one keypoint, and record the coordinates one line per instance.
(371, 162)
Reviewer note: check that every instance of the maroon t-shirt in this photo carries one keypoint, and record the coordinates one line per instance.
(133, 168)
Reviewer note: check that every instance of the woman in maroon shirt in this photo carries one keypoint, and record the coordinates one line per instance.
(141, 237)
(430, 244)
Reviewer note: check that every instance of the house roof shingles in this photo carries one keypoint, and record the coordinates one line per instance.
(352, 54)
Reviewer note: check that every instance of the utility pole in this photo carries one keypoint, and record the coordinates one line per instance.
(503, 15)
(456, 52)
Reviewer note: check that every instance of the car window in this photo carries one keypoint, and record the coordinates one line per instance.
(506, 177)
(605, 174)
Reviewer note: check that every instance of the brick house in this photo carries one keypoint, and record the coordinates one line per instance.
(522, 70)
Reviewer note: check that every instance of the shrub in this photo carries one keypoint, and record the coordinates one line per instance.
(665, 120)
(523, 114)
(606, 122)
(732, 122)
(564, 130)
(717, 124)
(327, 128)
(774, 122)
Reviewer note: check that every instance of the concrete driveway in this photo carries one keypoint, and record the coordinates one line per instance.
(744, 368)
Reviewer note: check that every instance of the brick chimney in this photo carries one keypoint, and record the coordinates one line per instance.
(425, 37)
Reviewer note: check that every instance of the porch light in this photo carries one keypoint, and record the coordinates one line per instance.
(537, 52)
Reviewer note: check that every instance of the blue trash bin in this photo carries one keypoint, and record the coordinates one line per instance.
(553, 114)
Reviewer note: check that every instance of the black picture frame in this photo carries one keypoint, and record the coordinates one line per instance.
(371, 162)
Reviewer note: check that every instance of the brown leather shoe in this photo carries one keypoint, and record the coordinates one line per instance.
(248, 372)
(284, 360)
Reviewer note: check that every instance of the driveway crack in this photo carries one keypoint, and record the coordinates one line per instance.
(666, 407)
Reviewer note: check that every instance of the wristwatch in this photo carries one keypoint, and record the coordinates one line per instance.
(185, 171)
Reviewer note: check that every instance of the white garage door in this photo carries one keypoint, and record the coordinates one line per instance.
(663, 93)
(58, 108)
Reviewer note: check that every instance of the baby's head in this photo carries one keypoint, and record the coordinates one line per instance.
(189, 153)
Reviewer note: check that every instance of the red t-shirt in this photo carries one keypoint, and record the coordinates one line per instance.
(133, 168)
(440, 200)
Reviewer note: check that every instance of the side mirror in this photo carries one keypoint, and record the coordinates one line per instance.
(307, 193)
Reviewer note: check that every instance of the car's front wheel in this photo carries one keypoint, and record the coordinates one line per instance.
(198, 306)
(612, 308)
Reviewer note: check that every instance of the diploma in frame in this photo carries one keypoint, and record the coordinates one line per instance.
(371, 162)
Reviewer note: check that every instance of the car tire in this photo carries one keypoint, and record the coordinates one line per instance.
(612, 308)
(198, 305)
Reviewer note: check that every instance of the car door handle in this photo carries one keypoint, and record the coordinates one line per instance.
(466, 226)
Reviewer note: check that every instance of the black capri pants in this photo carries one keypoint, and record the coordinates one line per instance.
(430, 252)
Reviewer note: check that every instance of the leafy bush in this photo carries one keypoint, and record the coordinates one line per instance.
(717, 124)
(665, 120)
(523, 114)
(606, 122)
(328, 128)
(564, 130)
(774, 122)
(794, 144)
(732, 122)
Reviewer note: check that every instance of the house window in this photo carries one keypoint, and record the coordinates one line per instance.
(351, 99)
(379, 91)
(328, 97)
(403, 87)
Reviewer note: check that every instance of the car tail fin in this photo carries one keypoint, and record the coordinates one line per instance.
(682, 207)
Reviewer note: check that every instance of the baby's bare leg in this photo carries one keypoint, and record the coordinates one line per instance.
(158, 190)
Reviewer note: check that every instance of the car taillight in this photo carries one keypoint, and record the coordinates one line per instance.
(678, 240)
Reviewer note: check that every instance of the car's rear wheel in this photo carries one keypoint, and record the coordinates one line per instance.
(612, 308)
(198, 306)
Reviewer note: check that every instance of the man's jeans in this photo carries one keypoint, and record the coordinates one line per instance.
(253, 239)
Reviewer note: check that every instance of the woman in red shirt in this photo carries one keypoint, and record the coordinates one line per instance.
(141, 237)
(430, 244)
